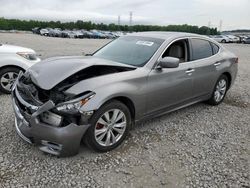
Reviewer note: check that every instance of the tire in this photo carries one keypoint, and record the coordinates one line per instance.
(223, 41)
(216, 99)
(7, 77)
(92, 134)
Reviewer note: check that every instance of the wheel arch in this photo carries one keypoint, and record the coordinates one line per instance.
(126, 101)
(12, 66)
(229, 77)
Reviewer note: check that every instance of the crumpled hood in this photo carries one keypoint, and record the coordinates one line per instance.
(6, 48)
(50, 72)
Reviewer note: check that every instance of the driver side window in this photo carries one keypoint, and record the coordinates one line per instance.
(178, 49)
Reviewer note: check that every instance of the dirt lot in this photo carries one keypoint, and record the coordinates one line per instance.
(199, 146)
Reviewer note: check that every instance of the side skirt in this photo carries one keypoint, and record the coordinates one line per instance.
(172, 108)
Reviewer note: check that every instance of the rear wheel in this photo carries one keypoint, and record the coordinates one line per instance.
(223, 41)
(109, 126)
(220, 91)
(7, 78)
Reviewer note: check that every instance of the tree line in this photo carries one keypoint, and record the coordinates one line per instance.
(27, 25)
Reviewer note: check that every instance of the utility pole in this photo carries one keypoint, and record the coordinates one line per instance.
(119, 20)
(130, 18)
(209, 24)
(220, 25)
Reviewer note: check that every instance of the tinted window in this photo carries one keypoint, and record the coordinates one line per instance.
(130, 50)
(215, 48)
(201, 49)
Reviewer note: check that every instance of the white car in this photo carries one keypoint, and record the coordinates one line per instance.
(233, 38)
(220, 38)
(14, 59)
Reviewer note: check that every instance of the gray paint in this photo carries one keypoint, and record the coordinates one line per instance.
(152, 91)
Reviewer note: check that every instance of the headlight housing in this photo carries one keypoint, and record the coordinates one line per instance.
(73, 106)
(28, 55)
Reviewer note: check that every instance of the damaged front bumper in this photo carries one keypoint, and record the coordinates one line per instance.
(60, 141)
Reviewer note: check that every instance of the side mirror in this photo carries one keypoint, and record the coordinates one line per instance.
(169, 62)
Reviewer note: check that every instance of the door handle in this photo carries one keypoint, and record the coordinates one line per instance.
(189, 71)
(217, 64)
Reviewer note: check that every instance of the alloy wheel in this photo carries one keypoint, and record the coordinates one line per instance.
(110, 127)
(7, 80)
(220, 90)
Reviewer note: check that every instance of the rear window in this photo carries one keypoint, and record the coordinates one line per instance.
(201, 49)
(215, 48)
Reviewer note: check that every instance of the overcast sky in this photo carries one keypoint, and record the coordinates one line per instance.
(235, 14)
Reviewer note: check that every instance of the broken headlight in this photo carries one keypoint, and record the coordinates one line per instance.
(73, 106)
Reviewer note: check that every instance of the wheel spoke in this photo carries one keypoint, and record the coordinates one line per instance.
(113, 138)
(100, 131)
(222, 83)
(120, 116)
(120, 131)
(99, 139)
(8, 87)
(10, 74)
(106, 115)
(107, 142)
(4, 80)
(102, 121)
(15, 75)
(115, 114)
(120, 125)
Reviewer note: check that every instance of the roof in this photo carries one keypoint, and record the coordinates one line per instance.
(164, 35)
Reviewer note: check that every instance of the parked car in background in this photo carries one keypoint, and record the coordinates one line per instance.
(36, 30)
(78, 34)
(97, 34)
(44, 32)
(57, 32)
(246, 40)
(220, 38)
(87, 34)
(109, 35)
(68, 34)
(96, 99)
(14, 59)
(233, 38)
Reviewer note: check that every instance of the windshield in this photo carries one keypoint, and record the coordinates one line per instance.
(131, 50)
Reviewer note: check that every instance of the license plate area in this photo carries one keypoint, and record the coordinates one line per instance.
(51, 118)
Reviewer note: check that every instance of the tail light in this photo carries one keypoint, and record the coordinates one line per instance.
(237, 60)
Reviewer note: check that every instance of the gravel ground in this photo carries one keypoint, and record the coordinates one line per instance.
(199, 146)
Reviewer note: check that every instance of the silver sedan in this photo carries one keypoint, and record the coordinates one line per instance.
(97, 98)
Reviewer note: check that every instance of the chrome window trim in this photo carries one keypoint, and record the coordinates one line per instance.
(183, 38)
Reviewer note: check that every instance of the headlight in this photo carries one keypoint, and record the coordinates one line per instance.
(28, 55)
(74, 106)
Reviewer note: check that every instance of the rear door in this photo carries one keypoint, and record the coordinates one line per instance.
(205, 59)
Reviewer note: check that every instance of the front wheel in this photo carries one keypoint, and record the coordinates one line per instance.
(7, 78)
(109, 126)
(220, 91)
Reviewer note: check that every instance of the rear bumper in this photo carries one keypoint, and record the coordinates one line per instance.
(60, 141)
